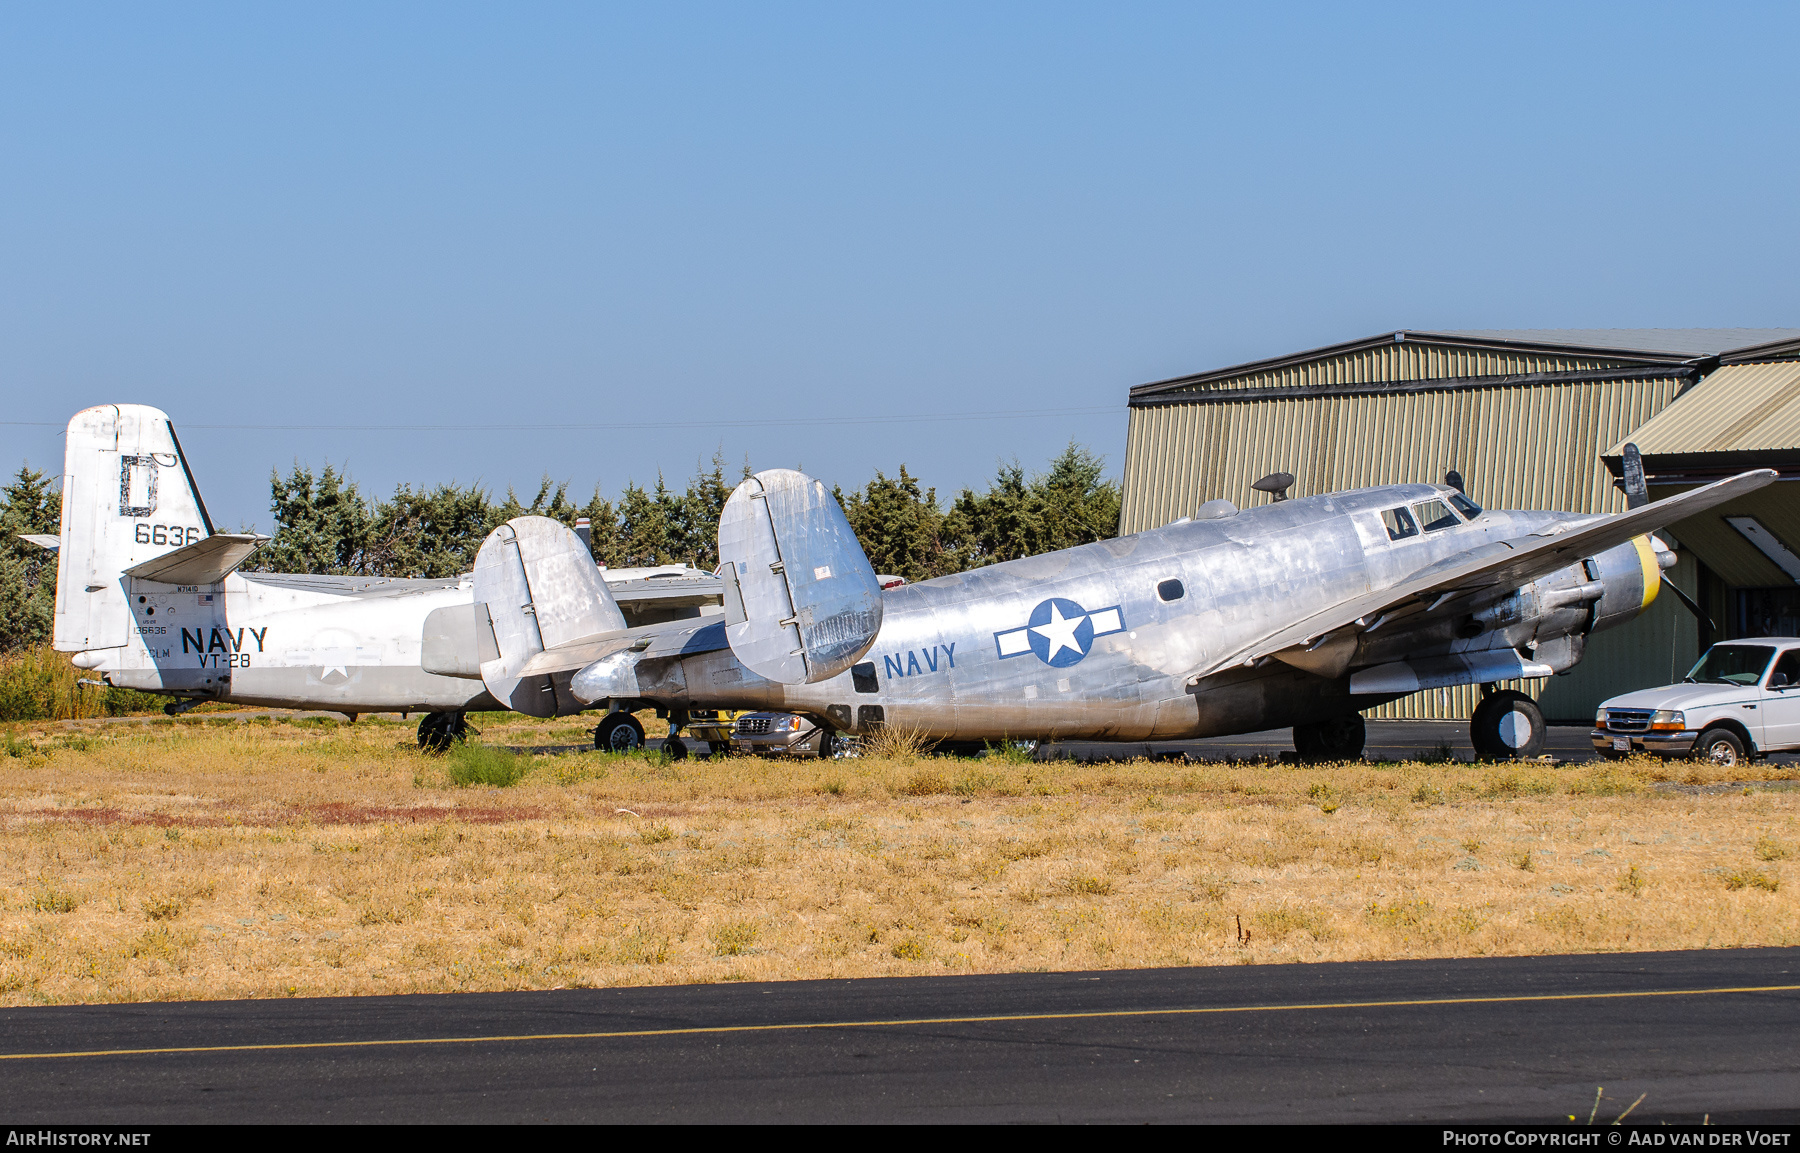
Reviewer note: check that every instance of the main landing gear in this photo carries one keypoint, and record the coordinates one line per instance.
(1339, 738)
(438, 731)
(621, 733)
(1506, 726)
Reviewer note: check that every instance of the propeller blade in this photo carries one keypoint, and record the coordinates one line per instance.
(1637, 493)
(1693, 606)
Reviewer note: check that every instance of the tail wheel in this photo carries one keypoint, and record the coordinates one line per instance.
(1507, 726)
(1722, 747)
(618, 733)
(676, 748)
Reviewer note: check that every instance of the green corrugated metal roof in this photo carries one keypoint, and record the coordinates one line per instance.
(1739, 408)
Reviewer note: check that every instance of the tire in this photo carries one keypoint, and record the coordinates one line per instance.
(1309, 743)
(438, 731)
(1342, 737)
(676, 748)
(618, 733)
(1507, 726)
(827, 742)
(1721, 747)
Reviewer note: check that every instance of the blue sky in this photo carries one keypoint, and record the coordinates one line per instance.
(590, 241)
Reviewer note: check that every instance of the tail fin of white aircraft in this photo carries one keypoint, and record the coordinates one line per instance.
(128, 497)
(801, 601)
(537, 587)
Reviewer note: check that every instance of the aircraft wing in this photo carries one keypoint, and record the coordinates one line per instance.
(1500, 564)
(669, 592)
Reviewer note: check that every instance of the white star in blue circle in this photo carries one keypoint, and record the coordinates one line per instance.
(1059, 632)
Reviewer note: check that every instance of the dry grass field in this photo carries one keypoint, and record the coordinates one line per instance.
(213, 857)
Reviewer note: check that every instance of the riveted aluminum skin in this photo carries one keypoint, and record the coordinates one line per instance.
(541, 590)
(1140, 637)
(810, 603)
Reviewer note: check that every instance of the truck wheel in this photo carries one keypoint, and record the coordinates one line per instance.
(618, 733)
(1722, 747)
(1507, 726)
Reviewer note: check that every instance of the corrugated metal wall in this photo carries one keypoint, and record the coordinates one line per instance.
(1517, 446)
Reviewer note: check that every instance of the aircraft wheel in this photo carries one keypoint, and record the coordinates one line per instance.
(1309, 743)
(1342, 737)
(618, 733)
(1722, 747)
(719, 748)
(1507, 726)
(676, 748)
(438, 731)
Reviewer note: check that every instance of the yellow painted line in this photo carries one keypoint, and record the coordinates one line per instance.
(902, 1022)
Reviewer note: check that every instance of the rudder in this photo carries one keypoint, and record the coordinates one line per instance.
(128, 496)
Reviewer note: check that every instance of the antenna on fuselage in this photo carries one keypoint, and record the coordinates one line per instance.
(1277, 483)
(1454, 480)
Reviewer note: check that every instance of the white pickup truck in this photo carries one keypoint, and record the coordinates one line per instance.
(1741, 701)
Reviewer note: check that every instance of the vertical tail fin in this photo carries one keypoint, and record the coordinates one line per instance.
(127, 496)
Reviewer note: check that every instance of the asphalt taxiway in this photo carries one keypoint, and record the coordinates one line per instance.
(1524, 1039)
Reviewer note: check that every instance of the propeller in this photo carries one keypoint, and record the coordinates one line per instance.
(1277, 483)
(1692, 605)
(1637, 493)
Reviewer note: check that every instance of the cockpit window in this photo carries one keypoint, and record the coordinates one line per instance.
(1400, 524)
(1732, 665)
(1466, 506)
(1433, 515)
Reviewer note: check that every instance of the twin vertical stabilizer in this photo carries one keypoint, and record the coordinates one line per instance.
(801, 601)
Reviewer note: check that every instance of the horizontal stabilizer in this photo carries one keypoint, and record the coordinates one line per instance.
(205, 562)
(801, 602)
(42, 540)
(541, 590)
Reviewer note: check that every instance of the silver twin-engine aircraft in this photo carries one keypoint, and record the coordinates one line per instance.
(148, 597)
(1300, 612)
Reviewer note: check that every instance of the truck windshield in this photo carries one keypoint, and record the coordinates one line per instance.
(1732, 665)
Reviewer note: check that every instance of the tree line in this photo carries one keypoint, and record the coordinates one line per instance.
(325, 524)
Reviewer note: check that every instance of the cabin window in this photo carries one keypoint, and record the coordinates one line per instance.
(1466, 506)
(1434, 515)
(862, 677)
(1170, 590)
(1400, 524)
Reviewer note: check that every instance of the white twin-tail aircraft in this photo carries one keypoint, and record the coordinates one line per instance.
(149, 596)
(1299, 613)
